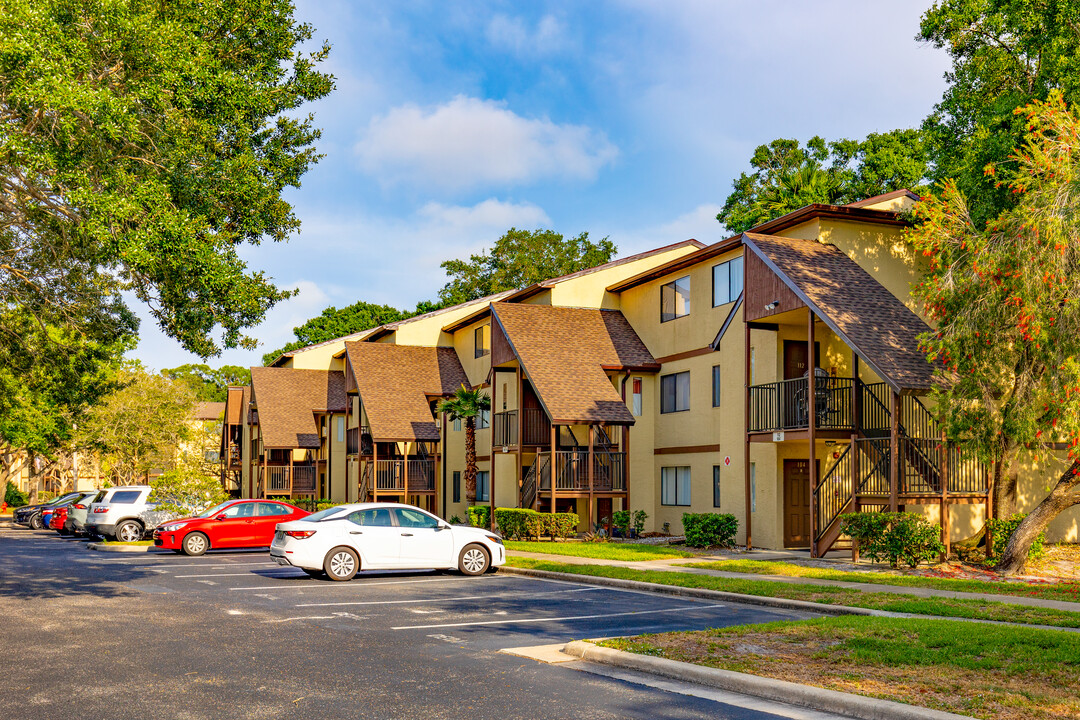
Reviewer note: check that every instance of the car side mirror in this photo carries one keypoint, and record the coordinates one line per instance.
(440, 526)
(222, 516)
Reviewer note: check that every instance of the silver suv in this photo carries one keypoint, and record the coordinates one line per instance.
(116, 513)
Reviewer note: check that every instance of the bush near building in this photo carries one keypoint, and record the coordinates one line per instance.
(709, 529)
(895, 537)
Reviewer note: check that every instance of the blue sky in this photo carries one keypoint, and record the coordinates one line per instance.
(453, 122)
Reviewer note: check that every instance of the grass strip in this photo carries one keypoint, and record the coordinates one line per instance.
(1000, 672)
(971, 608)
(601, 551)
(1066, 591)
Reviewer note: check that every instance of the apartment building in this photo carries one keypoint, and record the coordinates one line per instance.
(774, 375)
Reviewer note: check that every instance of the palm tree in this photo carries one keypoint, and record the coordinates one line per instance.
(467, 405)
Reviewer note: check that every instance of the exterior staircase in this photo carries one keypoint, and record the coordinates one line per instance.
(859, 480)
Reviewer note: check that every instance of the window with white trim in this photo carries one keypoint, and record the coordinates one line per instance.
(727, 281)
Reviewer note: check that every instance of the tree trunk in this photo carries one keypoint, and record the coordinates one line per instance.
(32, 476)
(1061, 498)
(470, 460)
(1004, 485)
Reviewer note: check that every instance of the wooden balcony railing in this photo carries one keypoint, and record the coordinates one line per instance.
(785, 405)
(358, 441)
(390, 476)
(287, 480)
(504, 425)
(535, 428)
(572, 471)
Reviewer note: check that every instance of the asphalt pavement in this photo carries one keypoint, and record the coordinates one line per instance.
(232, 635)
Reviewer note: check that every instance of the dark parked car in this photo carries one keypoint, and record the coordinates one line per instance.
(31, 515)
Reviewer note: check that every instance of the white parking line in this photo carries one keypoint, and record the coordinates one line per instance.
(318, 584)
(556, 619)
(244, 574)
(434, 600)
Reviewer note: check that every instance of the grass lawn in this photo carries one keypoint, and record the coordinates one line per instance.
(825, 594)
(603, 551)
(1069, 591)
(135, 542)
(998, 672)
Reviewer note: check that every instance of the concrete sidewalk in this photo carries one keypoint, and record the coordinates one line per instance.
(676, 565)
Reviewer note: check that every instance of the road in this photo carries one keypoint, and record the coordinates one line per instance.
(231, 635)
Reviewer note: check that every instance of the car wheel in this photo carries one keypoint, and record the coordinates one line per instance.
(313, 573)
(35, 522)
(341, 564)
(129, 531)
(474, 560)
(195, 544)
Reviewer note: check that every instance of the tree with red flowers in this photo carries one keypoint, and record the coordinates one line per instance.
(1005, 301)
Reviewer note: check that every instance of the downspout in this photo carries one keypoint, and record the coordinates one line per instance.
(442, 462)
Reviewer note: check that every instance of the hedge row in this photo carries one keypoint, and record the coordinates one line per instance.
(894, 537)
(526, 523)
(709, 529)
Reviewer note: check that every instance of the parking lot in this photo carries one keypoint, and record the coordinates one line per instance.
(178, 637)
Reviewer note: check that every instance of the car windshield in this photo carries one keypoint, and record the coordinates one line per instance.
(323, 514)
(214, 510)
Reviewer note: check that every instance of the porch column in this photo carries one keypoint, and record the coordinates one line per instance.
(374, 471)
(553, 472)
(944, 478)
(405, 445)
(854, 460)
(592, 477)
(894, 451)
(290, 451)
(811, 425)
(856, 395)
(520, 433)
(746, 433)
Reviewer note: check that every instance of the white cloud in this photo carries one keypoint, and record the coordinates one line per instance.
(699, 224)
(490, 213)
(468, 143)
(514, 35)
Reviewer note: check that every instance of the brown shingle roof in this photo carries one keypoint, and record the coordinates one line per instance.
(564, 352)
(869, 318)
(395, 382)
(288, 399)
(236, 405)
(209, 410)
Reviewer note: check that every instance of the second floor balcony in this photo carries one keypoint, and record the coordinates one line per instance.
(534, 423)
(786, 404)
(400, 476)
(287, 479)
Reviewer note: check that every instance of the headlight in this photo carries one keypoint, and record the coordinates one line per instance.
(173, 528)
(495, 539)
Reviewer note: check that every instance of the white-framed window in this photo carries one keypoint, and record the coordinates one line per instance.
(340, 429)
(635, 404)
(483, 486)
(727, 281)
(675, 299)
(675, 392)
(675, 485)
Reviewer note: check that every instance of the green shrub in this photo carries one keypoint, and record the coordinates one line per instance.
(15, 497)
(525, 523)
(480, 516)
(709, 529)
(559, 525)
(1002, 530)
(456, 520)
(620, 520)
(894, 537)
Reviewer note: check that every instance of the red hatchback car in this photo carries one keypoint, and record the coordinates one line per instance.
(58, 517)
(232, 524)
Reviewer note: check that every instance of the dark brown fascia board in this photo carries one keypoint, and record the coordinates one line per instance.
(831, 212)
(826, 319)
(381, 331)
(590, 421)
(727, 321)
(470, 318)
(701, 255)
(647, 368)
(902, 192)
(772, 327)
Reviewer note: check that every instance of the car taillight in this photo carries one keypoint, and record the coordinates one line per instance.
(300, 534)
(79, 506)
(101, 510)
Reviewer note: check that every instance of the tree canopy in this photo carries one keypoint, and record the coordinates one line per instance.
(1003, 297)
(1005, 54)
(209, 384)
(518, 259)
(787, 175)
(141, 145)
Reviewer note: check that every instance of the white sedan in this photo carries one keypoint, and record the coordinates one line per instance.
(342, 540)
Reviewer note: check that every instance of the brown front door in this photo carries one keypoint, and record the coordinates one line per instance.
(795, 358)
(796, 503)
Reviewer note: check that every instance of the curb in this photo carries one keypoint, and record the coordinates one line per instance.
(701, 593)
(833, 701)
(100, 547)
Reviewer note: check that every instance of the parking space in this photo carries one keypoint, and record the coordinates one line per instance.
(402, 628)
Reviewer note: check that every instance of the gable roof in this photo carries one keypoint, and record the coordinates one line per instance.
(565, 352)
(536, 288)
(396, 382)
(359, 335)
(288, 399)
(236, 404)
(885, 197)
(859, 309)
(208, 410)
